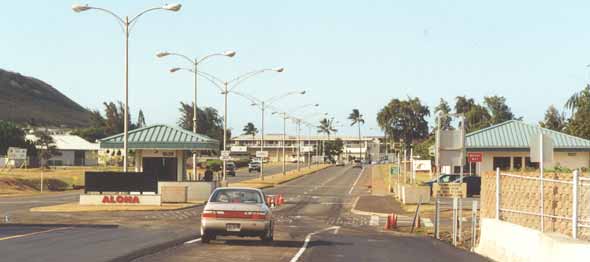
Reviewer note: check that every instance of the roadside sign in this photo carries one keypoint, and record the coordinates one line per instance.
(306, 149)
(421, 165)
(449, 190)
(535, 145)
(474, 157)
(226, 158)
(15, 153)
(225, 153)
(394, 171)
(239, 149)
(261, 154)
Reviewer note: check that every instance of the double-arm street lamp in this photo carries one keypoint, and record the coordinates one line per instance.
(126, 24)
(298, 121)
(262, 105)
(195, 63)
(227, 86)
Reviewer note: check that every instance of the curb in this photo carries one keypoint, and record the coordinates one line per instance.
(60, 225)
(146, 251)
(90, 211)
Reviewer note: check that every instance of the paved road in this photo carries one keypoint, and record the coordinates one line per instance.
(314, 203)
(317, 207)
(269, 169)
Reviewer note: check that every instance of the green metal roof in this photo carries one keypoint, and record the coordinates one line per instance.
(161, 137)
(515, 135)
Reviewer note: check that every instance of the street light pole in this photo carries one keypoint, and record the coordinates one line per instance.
(126, 109)
(223, 86)
(195, 62)
(262, 142)
(284, 140)
(298, 143)
(225, 125)
(126, 23)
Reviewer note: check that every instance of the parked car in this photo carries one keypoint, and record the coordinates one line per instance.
(473, 184)
(357, 164)
(230, 168)
(253, 166)
(340, 163)
(236, 211)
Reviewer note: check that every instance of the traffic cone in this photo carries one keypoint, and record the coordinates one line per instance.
(280, 200)
(388, 223)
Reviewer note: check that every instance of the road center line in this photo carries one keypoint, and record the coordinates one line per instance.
(308, 238)
(33, 233)
(356, 181)
(192, 241)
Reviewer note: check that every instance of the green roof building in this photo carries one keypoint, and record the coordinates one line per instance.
(163, 149)
(506, 146)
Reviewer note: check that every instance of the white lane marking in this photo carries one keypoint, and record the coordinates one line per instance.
(356, 181)
(307, 239)
(192, 241)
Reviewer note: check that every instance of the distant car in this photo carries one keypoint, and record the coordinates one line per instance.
(339, 163)
(253, 166)
(444, 178)
(230, 168)
(357, 164)
(236, 211)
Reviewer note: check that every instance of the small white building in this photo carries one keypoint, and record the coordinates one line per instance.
(74, 151)
(506, 145)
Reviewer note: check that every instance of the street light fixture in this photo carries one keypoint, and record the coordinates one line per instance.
(263, 105)
(298, 122)
(195, 63)
(224, 87)
(126, 23)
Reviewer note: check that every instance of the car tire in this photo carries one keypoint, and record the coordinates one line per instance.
(206, 238)
(268, 235)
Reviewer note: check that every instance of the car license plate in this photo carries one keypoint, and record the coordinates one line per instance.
(232, 227)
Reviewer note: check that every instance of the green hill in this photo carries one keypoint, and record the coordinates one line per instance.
(29, 100)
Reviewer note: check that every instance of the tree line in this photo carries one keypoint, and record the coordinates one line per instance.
(404, 121)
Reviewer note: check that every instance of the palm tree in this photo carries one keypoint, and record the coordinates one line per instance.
(357, 119)
(326, 127)
(250, 129)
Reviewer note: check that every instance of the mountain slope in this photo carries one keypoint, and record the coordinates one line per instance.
(28, 100)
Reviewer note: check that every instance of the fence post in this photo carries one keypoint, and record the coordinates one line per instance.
(473, 224)
(437, 218)
(498, 193)
(455, 216)
(575, 204)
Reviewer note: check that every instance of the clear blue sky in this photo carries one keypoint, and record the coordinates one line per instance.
(346, 54)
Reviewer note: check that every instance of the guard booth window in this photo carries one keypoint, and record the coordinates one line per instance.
(502, 162)
(517, 162)
(529, 164)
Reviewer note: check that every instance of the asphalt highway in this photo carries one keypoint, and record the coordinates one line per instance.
(315, 225)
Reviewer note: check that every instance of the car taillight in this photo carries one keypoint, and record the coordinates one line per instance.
(211, 213)
(255, 215)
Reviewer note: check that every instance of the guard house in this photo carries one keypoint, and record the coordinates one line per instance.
(162, 149)
(506, 146)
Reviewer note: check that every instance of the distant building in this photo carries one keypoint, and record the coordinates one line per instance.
(368, 148)
(506, 146)
(75, 151)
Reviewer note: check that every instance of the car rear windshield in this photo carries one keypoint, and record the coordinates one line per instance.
(242, 196)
